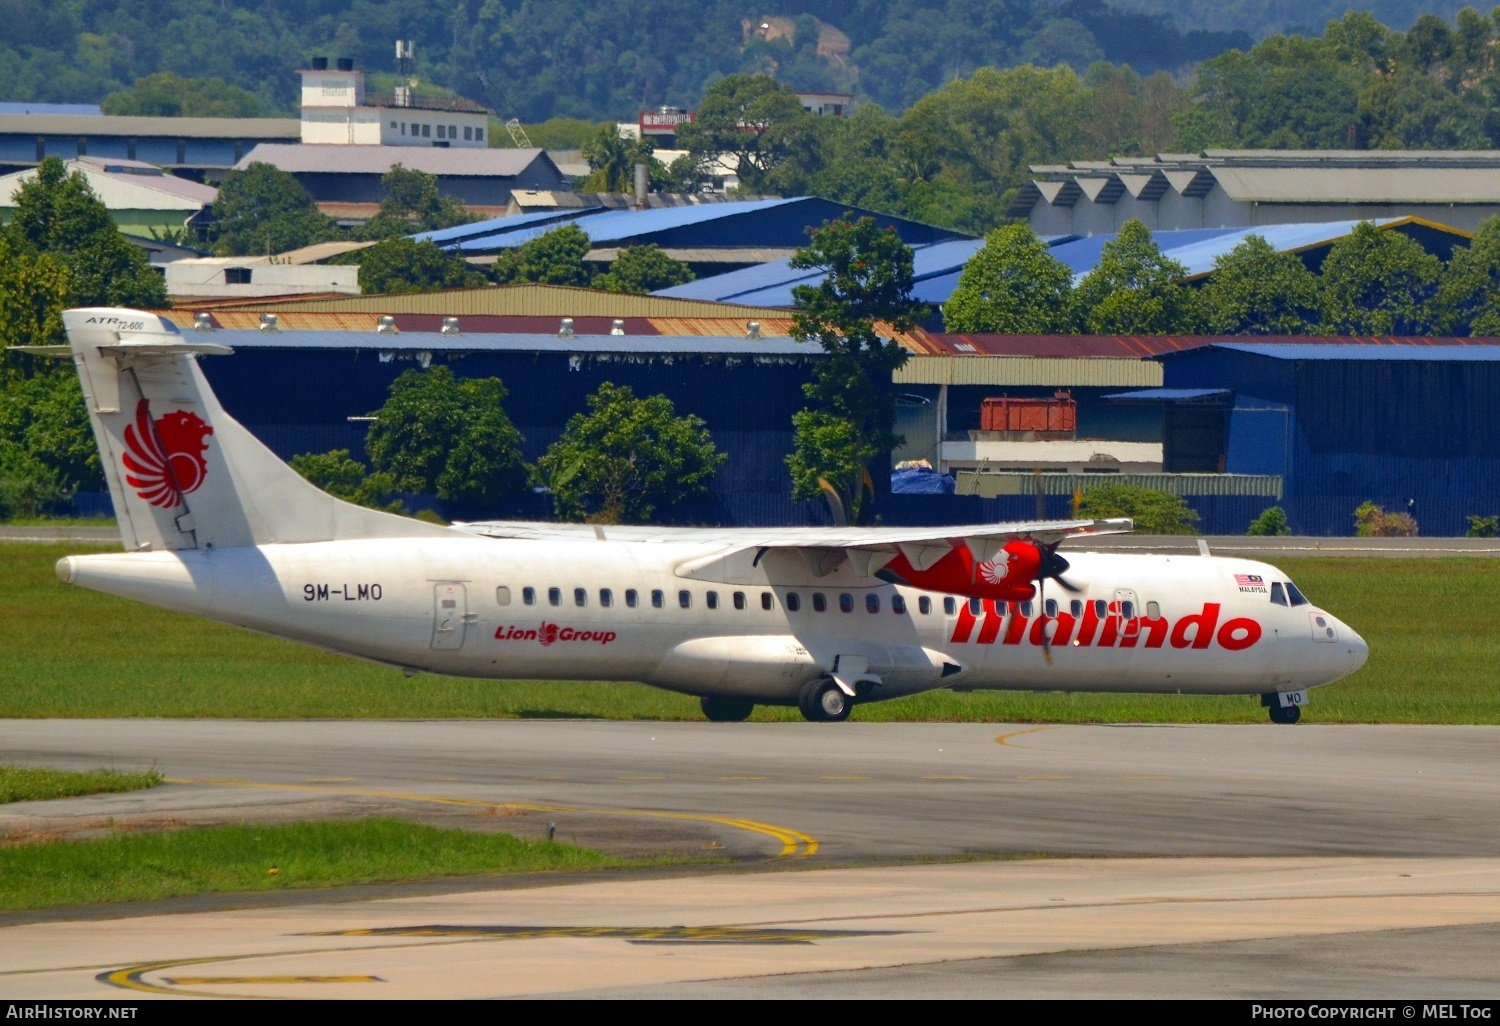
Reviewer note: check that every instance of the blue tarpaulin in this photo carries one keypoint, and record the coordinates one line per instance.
(921, 481)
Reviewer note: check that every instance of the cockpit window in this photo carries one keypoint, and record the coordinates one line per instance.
(1298, 599)
(1278, 595)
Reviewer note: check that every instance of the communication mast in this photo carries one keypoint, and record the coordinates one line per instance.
(518, 134)
(403, 71)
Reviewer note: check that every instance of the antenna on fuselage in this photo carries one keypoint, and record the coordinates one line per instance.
(1202, 546)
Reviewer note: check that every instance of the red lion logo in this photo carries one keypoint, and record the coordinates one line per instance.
(548, 634)
(165, 459)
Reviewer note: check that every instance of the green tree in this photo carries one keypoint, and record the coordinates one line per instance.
(627, 458)
(440, 435)
(1469, 293)
(33, 294)
(1380, 283)
(57, 215)
(553, 258)
(1135, 289)
(1270, 523)
(165, 95)
(401, 265)
(412, 204)
(343, 476)
(264, 210)
(1258, 290)
(1012, 285)
(612, 158)
(751, 117)
(848, 429)
(1154, 512)
(643, 269)
(47, 449)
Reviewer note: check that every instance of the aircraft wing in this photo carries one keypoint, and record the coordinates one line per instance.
(822, 549)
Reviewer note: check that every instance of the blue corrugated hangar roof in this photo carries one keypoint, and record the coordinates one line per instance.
(1337, 351)
(502, 225)
(771, 223)
(771, 284)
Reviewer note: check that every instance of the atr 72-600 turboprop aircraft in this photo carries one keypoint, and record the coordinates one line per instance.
(822, 618)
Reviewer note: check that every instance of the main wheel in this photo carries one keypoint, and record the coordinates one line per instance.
(823, 701)
(726, 708)
(1284, 713)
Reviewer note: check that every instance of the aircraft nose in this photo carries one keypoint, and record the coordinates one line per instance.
(1356, 649)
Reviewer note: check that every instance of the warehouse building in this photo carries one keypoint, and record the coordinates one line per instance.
(1257, 188)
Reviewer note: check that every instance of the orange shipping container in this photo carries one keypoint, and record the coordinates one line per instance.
(1005, 413)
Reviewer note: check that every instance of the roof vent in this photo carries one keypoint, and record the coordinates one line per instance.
(450, 326)
(267, 322)
(565, 328)
(752, 329)
(203, 322)
(346, 63)
(386, 325)
(617, 327)
(320, 64)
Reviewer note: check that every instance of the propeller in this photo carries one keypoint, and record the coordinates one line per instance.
(1052, 567)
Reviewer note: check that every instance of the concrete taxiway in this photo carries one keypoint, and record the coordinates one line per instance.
(1361, 861)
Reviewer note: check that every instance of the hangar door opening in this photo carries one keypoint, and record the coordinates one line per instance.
(1195, 440)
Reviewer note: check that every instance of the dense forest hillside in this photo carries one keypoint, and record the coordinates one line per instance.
(1262, 18)
(593, 59)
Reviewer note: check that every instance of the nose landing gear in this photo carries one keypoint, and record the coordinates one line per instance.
(1284, 708)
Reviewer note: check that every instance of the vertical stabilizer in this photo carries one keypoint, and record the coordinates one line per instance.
(183, 474)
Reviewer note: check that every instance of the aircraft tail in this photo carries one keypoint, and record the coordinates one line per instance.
(183, 474)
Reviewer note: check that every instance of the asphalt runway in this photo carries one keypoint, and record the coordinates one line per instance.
(1355, 861)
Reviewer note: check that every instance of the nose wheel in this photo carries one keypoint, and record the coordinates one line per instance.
(823, 701)
(1280, 713)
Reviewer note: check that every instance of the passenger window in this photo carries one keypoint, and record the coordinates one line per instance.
(657, 599)
(606, 597)
(1076, 608)
(898, 605)
(502, 595)
(1049, 608)
(1025, 608)
(712, 599)
(846, 602)
(739, 600)
(632, 599)
(1127, 609)
(924, 605)
(1101, 608)
(554, 596)
(528, 596)
(793, 602)
(872, 602)
(950, 605)
(1278, 595)
(1153, 610)
(580, 596)
(820, 604)
(1298, 599)
(684, 598)
(976, 605)
(766, 601)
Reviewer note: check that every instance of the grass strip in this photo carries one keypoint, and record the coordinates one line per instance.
(74, 653)
(145, 866)
(32, 784)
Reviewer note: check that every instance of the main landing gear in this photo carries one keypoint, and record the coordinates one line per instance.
(726, 708)
(823, 701)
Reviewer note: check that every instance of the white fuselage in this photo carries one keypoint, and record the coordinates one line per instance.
(613, 610)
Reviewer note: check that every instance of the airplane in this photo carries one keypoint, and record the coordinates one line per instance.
(215, 525)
